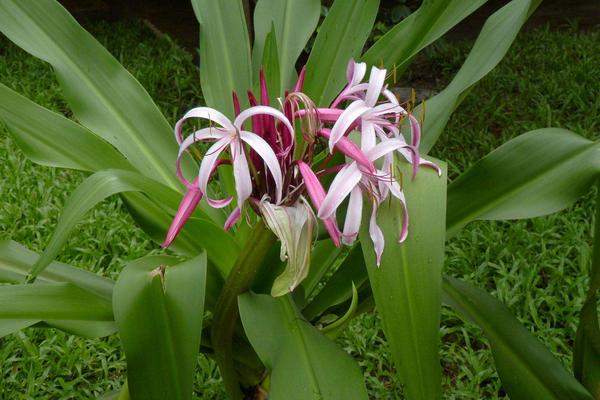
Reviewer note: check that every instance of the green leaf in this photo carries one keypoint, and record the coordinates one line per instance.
(103, 96)
(106, 183)
(270, 63)
(324, 255)
(496, 36)
(586, 349)
(407, 285)
(340, 38)
(434, 18)
(537, 173)
(159, 309)
(293, 22)
(16, 261)
(48, 138)
(224, 52)
(303, 363)
(336, 328)
(62, 301)
(527, 369)
(338, 288)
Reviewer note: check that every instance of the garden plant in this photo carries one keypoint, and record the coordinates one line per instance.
(295, 199)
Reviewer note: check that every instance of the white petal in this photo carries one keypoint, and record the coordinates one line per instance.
(376, 81)
(355, 72)
(354, 111)
(241, 173)
(353, 216)
(367, 137)
(340, 188)
(265, 152)
(376, 234)
(209, 161)
(205, 113)
(262, 110)
(384, 147)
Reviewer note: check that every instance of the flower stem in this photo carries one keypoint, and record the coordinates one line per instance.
(226, 312)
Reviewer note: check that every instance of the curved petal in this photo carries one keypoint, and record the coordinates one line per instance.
(376, 81)
(415, 131)
(355, 72)
(262, 148)
(233, 218)
(263, 110)
(354, 111)
(204, 113)
(209, 162)
(348, 148)
(385, 147)
(388, 108)
(340, 188)
(353, 216)
(388, 94)
(376, 234)
(241, 173)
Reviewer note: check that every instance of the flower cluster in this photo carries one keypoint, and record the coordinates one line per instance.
(279, 157)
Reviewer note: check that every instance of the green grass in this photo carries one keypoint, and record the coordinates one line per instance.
(537, 267)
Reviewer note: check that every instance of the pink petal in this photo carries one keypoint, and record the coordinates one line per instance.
(376, 81)
(340, 188)
(264, 92)
(186, 208)
(317, 195)
(198, 136)
(300, 81)
(353, 216)
(233, 218)
(350, 149)
(354, 111)
(262, 148)
(236, 103)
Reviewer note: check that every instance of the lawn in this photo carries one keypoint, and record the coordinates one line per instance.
(537, 267)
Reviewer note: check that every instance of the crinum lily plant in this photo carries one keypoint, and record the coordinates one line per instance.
(289, 213)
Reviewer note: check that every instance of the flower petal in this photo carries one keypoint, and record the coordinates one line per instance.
(354, 111)
(263, 110)
(204, 113)
(367, 136)
(186, 208)
(209, 162)
(262, 148)
(233, 218)
(353, 216)
(340, 188)
(241, 173)
(376, 234)
(355, 72)
(348, 148)
(376, 81)
(415, 131)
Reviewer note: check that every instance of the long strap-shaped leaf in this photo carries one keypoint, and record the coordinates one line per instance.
(107, 183)
(303, 363)
(50, 139)
(537, 173)
(498, 33)
(418, 30)
(527, 369)
(102, 94)
(586, 349)
(60, 305)
(294, 21)
(159, 309)
(340, 38)
(407, 285)
(15, 263)
(224, 52)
